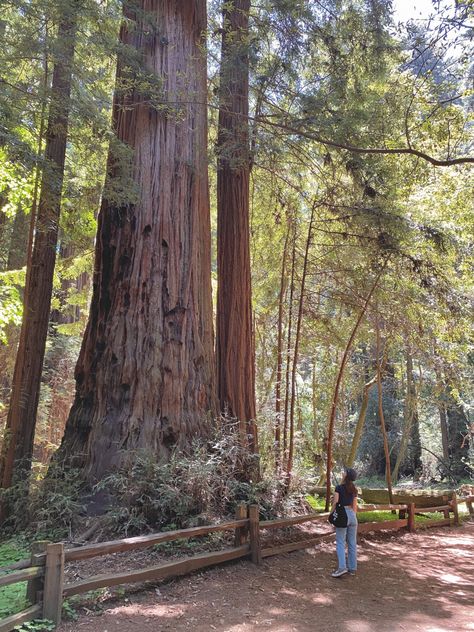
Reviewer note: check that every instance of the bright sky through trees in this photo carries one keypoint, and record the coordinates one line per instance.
(405, 10)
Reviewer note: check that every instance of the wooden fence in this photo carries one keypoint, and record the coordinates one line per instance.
(44, 571)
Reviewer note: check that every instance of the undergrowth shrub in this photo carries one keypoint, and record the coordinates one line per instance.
(199, 487)
(45, 507)
(192, 488)
(202, 486)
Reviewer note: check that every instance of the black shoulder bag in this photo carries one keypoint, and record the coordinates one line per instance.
(338, 517)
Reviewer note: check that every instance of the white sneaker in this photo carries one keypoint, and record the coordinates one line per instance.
(339, 572)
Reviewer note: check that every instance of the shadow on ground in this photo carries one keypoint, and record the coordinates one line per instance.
(405, 582)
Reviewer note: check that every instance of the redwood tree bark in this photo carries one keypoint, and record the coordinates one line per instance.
(145, 376)
(234, 334)
(19, 434)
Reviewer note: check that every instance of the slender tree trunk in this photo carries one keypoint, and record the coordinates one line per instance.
(283, 283)
(288, 346)
(145, 378)
(36, 186)
(234, 334)
(382, 418)
(289, 465)
(408, 416)
(314, 406)
(337, 386)
(443, 420)
(360, 421)
(458, 430)
(19, 437)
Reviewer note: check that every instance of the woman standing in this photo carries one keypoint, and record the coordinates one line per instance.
(346, 494)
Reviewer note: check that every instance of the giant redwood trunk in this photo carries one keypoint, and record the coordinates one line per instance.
(234, 337)
(145, 374)
(20, 428)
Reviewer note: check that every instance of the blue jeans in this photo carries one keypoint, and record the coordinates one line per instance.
(348, 534)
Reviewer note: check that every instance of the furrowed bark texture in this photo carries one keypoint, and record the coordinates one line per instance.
(21, 421)
(145, 375)
(234, 335)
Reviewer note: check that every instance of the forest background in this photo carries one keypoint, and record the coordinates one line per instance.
(305, 166)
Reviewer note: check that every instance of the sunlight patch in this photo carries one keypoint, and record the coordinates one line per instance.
(322, 600)
(358, 625)
(451, 579)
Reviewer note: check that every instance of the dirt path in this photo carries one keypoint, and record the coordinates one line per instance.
(405, 583)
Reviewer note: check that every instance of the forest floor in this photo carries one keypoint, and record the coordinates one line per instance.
(423, 581)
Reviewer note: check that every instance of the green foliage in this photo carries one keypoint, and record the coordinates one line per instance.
(69, 612)
(13, 597)
(57, 503)
(184, 491)
(46, 506)
(315, 502)
(11, 307)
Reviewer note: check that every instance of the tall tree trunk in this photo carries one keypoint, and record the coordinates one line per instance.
(409, 418)
(234, 334)
(39, 154)
(289, 465)
(145, 378)
(20, 428)
(288, 345)
(458, 432)
(382, 418)
(441, 402)
(360, 422)
(337, 386)
(283, 282)
(443, 422)
(314, 406)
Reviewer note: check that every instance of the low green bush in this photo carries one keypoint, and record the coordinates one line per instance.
(12, 598)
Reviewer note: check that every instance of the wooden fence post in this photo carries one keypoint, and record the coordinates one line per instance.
(240, 536)
(411, 517)
(53, 583)
(35, 586)
(454, 504)
(254, 528)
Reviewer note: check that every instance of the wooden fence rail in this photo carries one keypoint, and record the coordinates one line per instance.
(44, 571)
